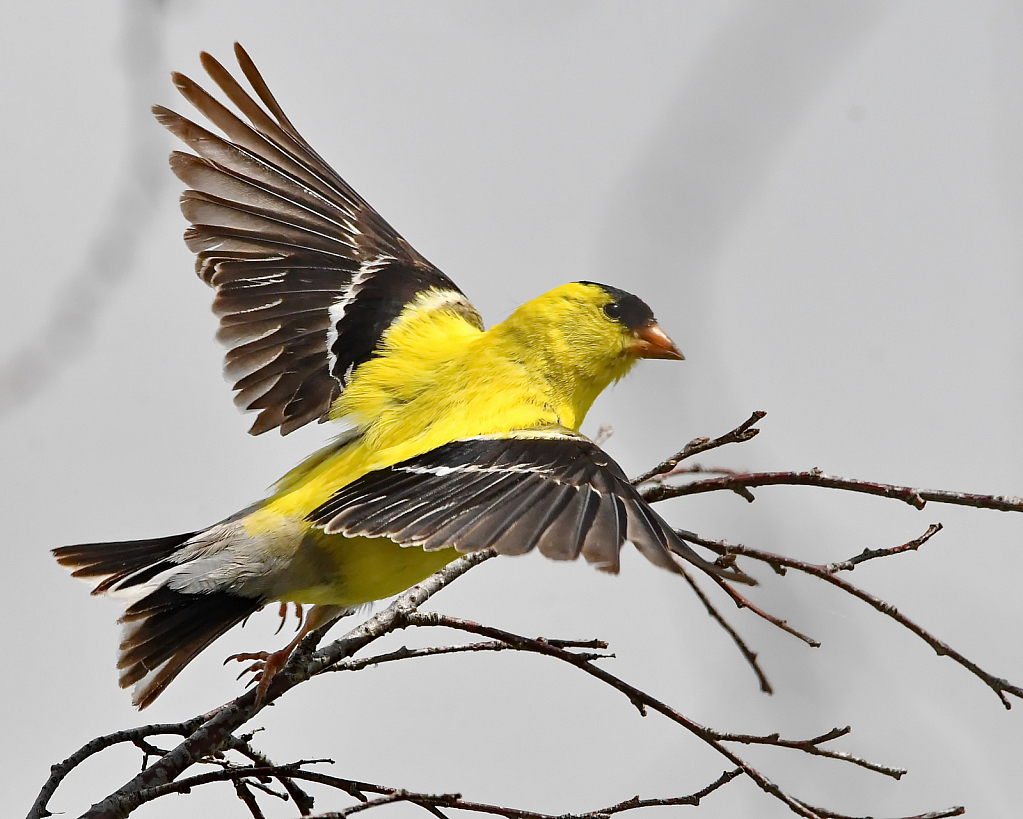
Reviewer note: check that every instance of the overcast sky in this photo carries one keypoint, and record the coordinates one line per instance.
(823, 204)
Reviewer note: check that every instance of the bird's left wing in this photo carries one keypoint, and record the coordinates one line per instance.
(558, 493)
(308, 276)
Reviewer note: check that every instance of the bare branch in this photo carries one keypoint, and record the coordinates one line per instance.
(749, 655)
(744, 432)
(1000, 686)
(455, 801)
(708, 735)
(389, 795)
(743, 602)
(406, 653)
(248, 798)
(59, 771)
(214, 730)
(811, 746)
(148, 750)
(741, 481)
(824, 813)
(871, 554)
(302, 800)
(699, 469)
(244, 773)
(207, 737)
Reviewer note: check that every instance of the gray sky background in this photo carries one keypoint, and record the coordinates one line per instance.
(822, 202)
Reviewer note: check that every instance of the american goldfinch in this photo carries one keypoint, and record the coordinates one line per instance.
(455, 438)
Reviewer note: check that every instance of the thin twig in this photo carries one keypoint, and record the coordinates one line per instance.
(455, 801)
(871, 554)
(697, 469)
(708, 735)
(743, 602)
(824, 813)
(389, 795)
(352, 787)
(744, 432)
(741, 481)
(749, 655)
(59, 771)
(811, 746)
(448, 800)
(1000, 686)
(406, 653)
(303, 801)
(241, 788)
(148, 750)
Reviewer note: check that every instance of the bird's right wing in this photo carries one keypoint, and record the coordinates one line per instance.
(558, 493)
(308, 276)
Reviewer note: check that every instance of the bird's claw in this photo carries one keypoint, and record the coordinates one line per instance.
(256, 669)
(262, 656)
(264, 668)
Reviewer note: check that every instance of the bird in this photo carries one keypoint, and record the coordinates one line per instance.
(452, 437)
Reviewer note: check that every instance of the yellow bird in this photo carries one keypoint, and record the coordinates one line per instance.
(455, 438)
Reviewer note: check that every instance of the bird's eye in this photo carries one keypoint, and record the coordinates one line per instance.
(613, 310)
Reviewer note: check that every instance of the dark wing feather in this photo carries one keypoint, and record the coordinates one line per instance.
(308, 276)
(560, 494)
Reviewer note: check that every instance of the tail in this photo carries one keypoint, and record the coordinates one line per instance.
(164, 629)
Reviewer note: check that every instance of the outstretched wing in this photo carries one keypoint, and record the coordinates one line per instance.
(308, 276)
(560, 494)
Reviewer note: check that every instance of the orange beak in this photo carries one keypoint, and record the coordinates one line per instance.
(652, 342)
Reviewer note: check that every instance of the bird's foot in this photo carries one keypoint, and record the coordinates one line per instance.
(266, 665)
(263, 669)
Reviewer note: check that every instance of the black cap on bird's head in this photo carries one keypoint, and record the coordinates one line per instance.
(636, 316)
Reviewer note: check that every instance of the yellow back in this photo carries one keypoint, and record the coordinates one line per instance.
(438, 379)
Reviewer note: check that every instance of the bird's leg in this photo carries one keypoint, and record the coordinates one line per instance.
(282, 612)
(267, 664)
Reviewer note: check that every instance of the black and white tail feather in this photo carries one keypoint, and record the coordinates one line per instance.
(163, 628)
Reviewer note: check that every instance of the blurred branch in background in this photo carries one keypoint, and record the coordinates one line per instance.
(209, 737)
(111, 256)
